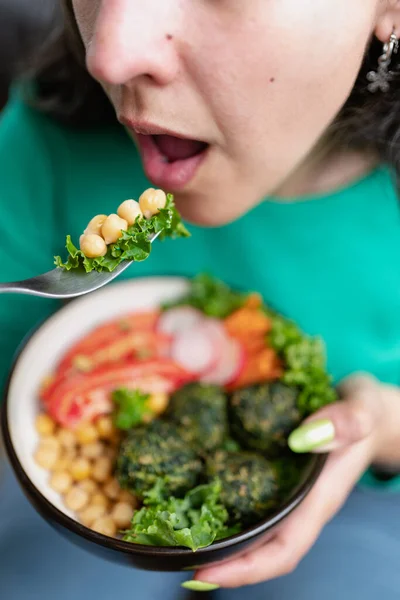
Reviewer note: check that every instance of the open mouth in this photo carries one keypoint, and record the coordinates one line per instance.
(174, 148)
(170, 162)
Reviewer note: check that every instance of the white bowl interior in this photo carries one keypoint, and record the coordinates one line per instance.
(47, 345)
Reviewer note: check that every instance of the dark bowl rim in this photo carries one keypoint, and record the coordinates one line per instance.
(317, 463)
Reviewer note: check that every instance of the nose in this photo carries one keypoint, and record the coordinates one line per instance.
(132, 39)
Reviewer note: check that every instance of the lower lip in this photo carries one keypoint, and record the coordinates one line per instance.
(171, 176)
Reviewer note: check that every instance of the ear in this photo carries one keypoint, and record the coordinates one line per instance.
(388, 21)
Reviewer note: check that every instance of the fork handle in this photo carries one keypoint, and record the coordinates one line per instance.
(15, 288)
(7, 288)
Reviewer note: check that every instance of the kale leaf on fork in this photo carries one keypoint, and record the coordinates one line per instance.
(134, 243)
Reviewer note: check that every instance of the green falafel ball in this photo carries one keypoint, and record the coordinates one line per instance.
(200, 412)
(248, 482)
(153, 451)
(262, 416)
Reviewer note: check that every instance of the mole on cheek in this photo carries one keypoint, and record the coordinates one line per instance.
(272, 79)
(168, 36)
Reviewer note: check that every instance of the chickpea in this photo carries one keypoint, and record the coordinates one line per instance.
(100, 499)
(46, 457)
(89, 486)
(95, 224)
(80, 468)
(158, 402)
(127, 497)
(50, 442)
(91, 513)
(151, 201)
(105, 427)
(130, 211)
(112, 489)
(76, 499)
(92, 245)
(45, 424)
(62, 463)
(87, 433)
(121, 514)
(102, 469)
(71, 453)
(92, 450)
(112, 228)
(61, 481)
(105, 525)
(67, 438)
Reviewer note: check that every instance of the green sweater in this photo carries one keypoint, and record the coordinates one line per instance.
(331, 263)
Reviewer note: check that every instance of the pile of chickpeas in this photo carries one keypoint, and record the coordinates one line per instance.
(80, 463)
(103, 230)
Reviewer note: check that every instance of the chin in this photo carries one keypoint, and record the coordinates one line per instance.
(205, 211)
(215, 198)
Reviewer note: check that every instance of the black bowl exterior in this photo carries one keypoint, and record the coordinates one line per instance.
(149, 557)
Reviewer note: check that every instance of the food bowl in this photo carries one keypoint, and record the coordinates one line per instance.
(37, 356)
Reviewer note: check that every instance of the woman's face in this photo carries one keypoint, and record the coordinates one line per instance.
(226, 99)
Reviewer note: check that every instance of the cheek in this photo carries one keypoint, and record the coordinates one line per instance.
(278, 83)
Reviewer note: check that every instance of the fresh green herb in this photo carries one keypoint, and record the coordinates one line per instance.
(134, 243)
(131, 408)
(195, 521)
(305, 364)
(213, 297)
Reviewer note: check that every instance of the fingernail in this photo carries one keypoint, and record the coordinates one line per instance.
(199, 586)
(311, 436)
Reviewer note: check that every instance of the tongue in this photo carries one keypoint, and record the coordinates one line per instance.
(174, 148)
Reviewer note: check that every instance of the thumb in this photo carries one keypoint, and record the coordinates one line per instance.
(343, 423)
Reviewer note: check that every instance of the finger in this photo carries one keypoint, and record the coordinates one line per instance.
(343, 423)
(267, 563)
(357, 384)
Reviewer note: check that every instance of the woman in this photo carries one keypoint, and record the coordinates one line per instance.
(276, 125)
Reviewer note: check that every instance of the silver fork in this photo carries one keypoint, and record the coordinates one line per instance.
(59, 283)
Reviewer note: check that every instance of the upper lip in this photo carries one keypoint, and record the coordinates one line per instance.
(147, 128)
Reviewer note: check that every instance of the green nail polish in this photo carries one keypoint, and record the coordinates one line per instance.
(199, 586)
(311, 436)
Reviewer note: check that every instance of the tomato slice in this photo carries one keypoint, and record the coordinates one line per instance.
(71, 399)
(136, 345)
(164, 367)
(106, 334)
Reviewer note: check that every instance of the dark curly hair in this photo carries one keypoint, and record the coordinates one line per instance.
(368, 121)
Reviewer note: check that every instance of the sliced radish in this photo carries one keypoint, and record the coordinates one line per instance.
(176, 320)
(215, 328)
(195, 349)
(229, 365)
